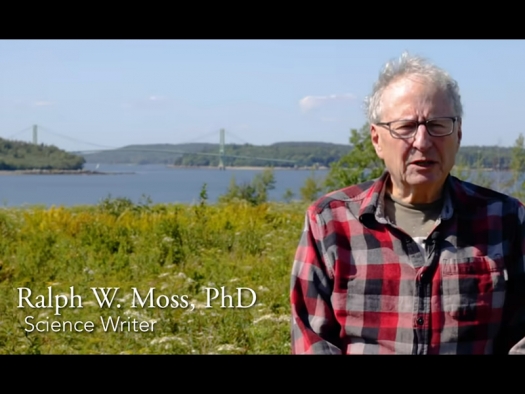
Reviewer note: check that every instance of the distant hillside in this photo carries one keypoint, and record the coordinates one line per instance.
(303, 154)
(147, 154)
(17, 155)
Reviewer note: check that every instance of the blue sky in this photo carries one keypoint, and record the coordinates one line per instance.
(111, 93)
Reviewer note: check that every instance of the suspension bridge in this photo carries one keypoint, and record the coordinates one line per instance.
(221, 153)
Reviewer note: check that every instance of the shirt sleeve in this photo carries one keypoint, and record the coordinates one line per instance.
(315, 329)
(516, 291)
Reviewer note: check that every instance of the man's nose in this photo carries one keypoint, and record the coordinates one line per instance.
(422, 139)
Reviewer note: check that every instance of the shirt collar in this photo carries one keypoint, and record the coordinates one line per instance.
(373, 204)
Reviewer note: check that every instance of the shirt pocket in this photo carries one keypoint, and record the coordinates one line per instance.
(473, 289)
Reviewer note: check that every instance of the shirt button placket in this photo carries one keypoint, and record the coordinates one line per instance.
(421, 311)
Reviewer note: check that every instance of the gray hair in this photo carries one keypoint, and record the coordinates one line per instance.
(411, 65)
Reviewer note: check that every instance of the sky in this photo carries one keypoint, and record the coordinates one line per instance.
(97, 94)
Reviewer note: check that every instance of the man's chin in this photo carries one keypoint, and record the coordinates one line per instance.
(425, 179)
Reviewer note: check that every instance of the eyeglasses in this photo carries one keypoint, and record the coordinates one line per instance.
(436, 127)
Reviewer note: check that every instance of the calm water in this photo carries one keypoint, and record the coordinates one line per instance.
(160, 183)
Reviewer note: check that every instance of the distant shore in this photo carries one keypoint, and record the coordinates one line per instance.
(92, 172)
(59, 172)
(247, 168)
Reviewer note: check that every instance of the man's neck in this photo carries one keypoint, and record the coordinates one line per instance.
(419, 195)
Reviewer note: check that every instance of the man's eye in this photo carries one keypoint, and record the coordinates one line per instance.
(406, 126)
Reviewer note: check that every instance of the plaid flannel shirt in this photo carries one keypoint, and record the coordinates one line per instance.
(356, 288)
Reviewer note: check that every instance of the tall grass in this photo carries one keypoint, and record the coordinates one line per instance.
(175, 249)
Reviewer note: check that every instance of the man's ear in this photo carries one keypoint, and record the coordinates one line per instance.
(376, 140)
(460, 133)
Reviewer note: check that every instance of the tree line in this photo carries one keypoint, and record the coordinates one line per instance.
(362, 164)
(18, 155)
(302, 154)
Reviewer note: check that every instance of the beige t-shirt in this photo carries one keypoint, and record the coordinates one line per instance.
(417, 220)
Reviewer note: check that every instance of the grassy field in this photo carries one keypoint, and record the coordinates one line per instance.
(162, 259)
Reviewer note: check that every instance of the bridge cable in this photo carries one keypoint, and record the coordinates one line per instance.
(198, 138)
(238, 138)
(76, 139)
(113, 147)
(18, 132)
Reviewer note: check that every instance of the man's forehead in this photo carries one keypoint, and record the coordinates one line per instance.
(411, 84)
(407, 92)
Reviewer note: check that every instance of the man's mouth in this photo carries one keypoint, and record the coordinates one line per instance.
(423, 163)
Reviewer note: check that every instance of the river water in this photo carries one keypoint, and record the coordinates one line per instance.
(160, 183)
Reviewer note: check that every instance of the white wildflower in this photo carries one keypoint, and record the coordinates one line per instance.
(156, 341)
(43, 314)
(133, 314)
(198, 304)
(125, 298)
(272, 318)
(228, 348)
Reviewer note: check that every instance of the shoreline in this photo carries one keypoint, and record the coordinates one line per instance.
(59, 172)
(253, 168)
(94, 172)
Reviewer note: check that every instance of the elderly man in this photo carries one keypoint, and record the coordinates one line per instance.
(417, 261)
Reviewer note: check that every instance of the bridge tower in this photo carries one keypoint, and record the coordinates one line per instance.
(35, 137)
(221, 151)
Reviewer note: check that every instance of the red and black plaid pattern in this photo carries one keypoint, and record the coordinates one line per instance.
(362, 286)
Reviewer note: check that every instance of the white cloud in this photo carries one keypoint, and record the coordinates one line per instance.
(150, 102)
(309, 102)
(42, 103)
(157, 98)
